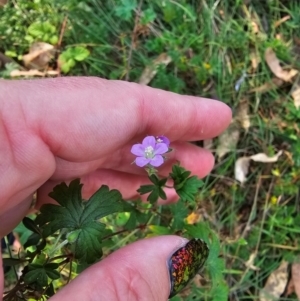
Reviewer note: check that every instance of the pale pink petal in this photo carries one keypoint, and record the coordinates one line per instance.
(138, 150)
(160, 148)
(149, 141)
(157, 161)
(141, 161)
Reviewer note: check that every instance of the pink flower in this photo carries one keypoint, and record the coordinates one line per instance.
(149, 152)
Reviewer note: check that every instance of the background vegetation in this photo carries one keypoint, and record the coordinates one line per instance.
(216, 49)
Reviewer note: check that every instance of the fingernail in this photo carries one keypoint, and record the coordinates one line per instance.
(185, 263)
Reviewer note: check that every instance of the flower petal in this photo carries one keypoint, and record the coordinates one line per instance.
(158, 160)
(160, 148)
(149, 141)
(163, 139)
(138, 150)
(142, 161)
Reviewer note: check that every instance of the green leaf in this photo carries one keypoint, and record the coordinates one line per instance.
(50, 290)
(12, 261)
(185, 186)
(148, 16)
(131, 223)
(36, 274)
(31, 225)
(124, 11)
(32, 240)
(39, 30)
(80, 53)
(179, 212)
(80, 216)
(159, 230)
(155, 190)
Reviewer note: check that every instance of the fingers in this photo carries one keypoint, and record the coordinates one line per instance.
(88, 119)
(85, 117)
(1, 276)
(199, 161)
(136, 272)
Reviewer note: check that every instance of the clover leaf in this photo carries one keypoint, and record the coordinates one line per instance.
(79, 217)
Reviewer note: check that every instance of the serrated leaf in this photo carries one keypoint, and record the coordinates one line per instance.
(156, 190)
(186, 187)
(179, 212)
(36, 274)
(220, 292)
(74, 214)
(124, 11)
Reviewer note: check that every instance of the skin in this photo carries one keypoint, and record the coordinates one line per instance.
(55, 130)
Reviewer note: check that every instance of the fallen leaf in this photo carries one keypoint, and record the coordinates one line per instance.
(241, 169)
(208, 143)
(242, 114)
(273, 84)
(255, 27)
(241, 166)
(296, 278)
(39, 55)
(261, 157)
(250, 262)
(275, 67)
(282, 20)
(228, 140)
(275, 284)
(296, 96)
(290, 289)
(32, 72)
(255, 60)
(151, 70)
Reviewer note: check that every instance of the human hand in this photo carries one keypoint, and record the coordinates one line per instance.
(59, 129)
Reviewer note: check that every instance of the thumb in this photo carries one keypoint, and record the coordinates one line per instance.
(139, 271)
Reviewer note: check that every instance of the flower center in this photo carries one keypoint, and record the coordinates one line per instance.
(149, 152)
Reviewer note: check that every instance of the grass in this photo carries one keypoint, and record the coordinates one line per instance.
(211, 44)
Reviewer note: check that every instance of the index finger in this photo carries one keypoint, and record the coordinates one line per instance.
(76, 115)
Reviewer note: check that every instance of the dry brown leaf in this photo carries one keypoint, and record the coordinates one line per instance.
(296, 278)
(150, 71)
(255, 27)
(255, 60)
(261, 157)
(273, 84)
(32, 72)
(275, 284)
(39, 55)
(275, 67)
(208, 143)
(241, 166)
(241, 169)
(228, 140)
(296, 96)
(250, 262)
(242, 114)
(282, 20)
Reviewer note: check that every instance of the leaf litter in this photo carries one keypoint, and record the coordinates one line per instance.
(241, 166)
(274, 65)
(276, 283)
